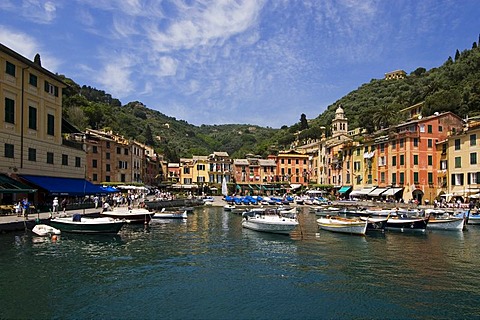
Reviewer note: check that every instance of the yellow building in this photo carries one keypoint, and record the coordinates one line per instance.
(31, 121)
(463, 166)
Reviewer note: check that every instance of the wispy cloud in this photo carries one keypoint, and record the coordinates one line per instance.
(28, 47)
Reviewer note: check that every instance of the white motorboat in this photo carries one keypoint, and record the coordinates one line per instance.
(170, 214)
(229, 207)
(443, 220)
(343, 225)
(131, 215)
(44, 230)
(79, 224)
(269, 221)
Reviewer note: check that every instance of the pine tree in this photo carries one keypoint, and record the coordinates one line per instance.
(457, 55)
(303, 122)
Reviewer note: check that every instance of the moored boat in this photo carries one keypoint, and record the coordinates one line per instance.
(343, 225)
(443, 220)
(140, 215)
(79, 224)
(164, 214)
(269, 221)
(400, 223)
(376, 223)
(44, 230)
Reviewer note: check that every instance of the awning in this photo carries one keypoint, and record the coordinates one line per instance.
(377, 192)
(392, 191)
(295, 186)
(344, 189)
(9, 185)
(362, 192)
(64, 186)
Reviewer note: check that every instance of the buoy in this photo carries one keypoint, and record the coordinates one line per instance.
(54, 237)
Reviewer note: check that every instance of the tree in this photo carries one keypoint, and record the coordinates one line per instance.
(303, 122)
(384, 116)
(149, 136)
(457, 55)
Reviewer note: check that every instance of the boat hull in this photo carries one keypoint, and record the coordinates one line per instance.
(343, 226)
(446, 224)
(272, 224)
(44, 230)
(406, 224)
(88, 225)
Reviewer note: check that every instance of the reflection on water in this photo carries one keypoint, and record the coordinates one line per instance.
(210, 267)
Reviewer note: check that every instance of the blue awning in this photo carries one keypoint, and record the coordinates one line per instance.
(344, 189)
(64, 186)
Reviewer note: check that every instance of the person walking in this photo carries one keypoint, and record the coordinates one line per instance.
(25, 207)
(64, 205)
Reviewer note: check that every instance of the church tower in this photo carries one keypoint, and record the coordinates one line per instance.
(340, 123)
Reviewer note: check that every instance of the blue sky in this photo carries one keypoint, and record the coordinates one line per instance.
(254, 61)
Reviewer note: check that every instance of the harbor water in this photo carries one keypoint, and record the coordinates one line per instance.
(208, 267)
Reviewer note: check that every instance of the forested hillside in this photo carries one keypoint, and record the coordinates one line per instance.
(454, 86)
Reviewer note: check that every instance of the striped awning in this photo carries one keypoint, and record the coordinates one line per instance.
(377, 192)
(344, 189)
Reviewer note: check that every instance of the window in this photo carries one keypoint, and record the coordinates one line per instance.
(50, 157)
(401, 143)
(122, 177)
(289, 161)
(422, 128)
(382, 177)
(429, 128)
(107, 167)
(119, 151)
(415, 142)
(402, 160)
(394, 178)
(440, 128)
(457, 144)
(358, 151)
(473, 178)
(457, 179)
(356, 166)
(108, 144)
(382, 161)
(394, 160)
(78, 162)
(32, 80)
(282, 161)
(126, 151)
(186, 170)
(94, 149)
(107, 178)
(32, 154)
(107, 155)
(429, 143)
(458, 162)
(9, 110)
(443, 165)
(94, 163)
(430, 178)
(64, 160)
(10, 69)
(415, 177)
(51, 89)
(9, 150)
(473, 158)
(415, 159)
(296, 161)
(473, 140)
(430, 160)
(200, 167)
(50, 125)
(402, 178)
(32, 118)
(95, 177)
(382, 147)
(394, 144)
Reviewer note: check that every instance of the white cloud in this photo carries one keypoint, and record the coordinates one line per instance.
(39, 11)
(28, 47)
(115, 75)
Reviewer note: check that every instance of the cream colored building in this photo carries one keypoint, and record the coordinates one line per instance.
(31, 121)
(463, 168)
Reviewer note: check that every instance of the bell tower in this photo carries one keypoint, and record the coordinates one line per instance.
(339, 123)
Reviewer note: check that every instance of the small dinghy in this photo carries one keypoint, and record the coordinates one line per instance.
(44, 230)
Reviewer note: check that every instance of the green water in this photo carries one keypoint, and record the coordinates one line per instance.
(211, 268)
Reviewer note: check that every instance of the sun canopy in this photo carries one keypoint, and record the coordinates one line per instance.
(344, 189)
(9, 185)
(392, 191)
(64, 186)
(377, 192)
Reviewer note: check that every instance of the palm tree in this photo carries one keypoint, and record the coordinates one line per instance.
(385, 116)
